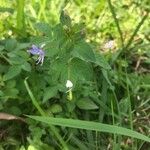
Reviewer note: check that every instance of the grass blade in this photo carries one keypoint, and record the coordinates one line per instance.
(89, 125)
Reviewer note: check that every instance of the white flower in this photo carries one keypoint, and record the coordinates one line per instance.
(69, 85)
(109, 45)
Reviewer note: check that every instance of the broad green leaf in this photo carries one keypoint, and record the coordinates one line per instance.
(17, 60)
(83, 51)
(23, 54)
(11, 93)
(59, 70)
(86, 104)
(21, 46)
(80, 70)
(10, 44)
(12, 72)
(11, 83)
(49, 93)
(90, 125)
(26, 66)
(52, 49)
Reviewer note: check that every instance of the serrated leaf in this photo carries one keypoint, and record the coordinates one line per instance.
(86, 104)
(80, 70)
(49, 93)
(12, 72)
(83, 51)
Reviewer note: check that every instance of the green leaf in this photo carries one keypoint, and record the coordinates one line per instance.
(39, 40)
(21, 46)
(49, 93)
(52, 49)
(26, 66)
(100, 60)
(11, 84)
(83, 51)
(12, 72)
(10, 44)
(11, 93)
(86, 104)
(17, 60)
(55, 108)
(65, 19)
(80, 70)
(44, 28)
(59, 70)
(90, 125)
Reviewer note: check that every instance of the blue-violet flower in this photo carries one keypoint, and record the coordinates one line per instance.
(34, 50)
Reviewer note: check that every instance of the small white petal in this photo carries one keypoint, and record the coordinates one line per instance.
(43, 45)
(109, 44)
(38, 60)
(69, 84)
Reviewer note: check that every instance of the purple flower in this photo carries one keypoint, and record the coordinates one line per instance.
(34, 50)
